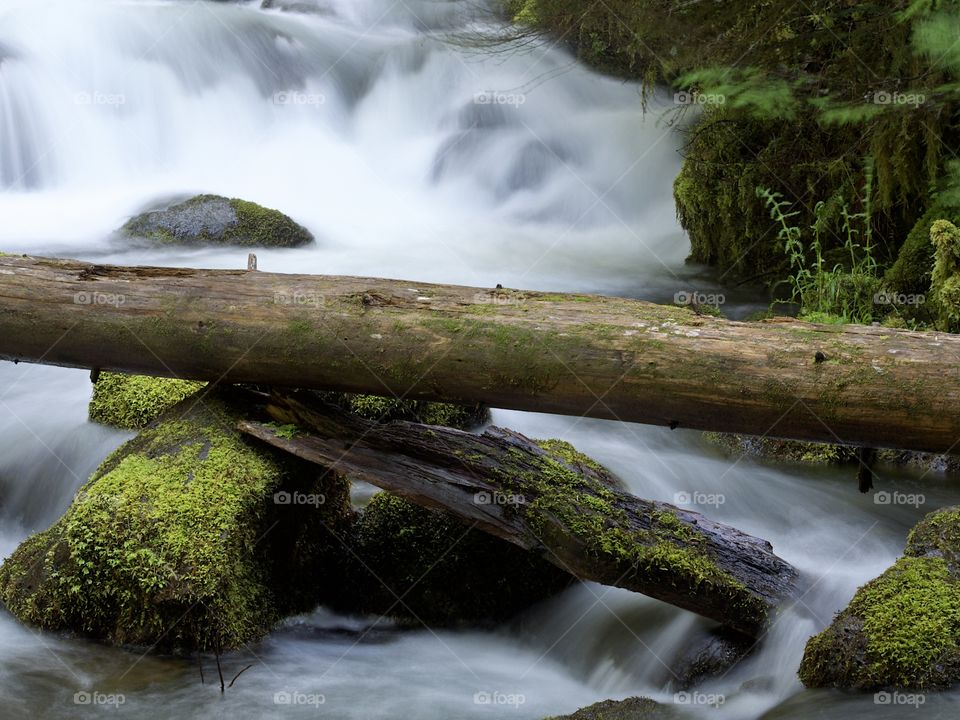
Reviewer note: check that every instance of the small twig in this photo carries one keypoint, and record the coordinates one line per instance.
(239, 674)
(200, 663)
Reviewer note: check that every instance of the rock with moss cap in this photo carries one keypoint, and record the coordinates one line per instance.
(183, 539)
(901, 630)
(444, 572)
(635, 708)
(216, 220)
(131, 402)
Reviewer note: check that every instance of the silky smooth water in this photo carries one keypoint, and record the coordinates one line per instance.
(408, 154)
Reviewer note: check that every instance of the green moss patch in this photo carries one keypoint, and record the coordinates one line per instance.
(133, 401)
(563, 487)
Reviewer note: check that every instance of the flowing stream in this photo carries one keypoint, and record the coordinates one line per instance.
(411, 156)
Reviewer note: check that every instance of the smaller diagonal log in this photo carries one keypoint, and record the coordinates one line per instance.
(550, 500)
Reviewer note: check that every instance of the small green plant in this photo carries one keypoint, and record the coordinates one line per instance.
(286, 432)
(844, 292)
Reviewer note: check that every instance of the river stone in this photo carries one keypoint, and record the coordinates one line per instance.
(447, 573)
(217, 220)
(902, 629)
(186, 538)
(709, 656)
(635, 708)
(312, 7)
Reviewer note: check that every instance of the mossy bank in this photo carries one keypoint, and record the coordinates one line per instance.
(847, 111)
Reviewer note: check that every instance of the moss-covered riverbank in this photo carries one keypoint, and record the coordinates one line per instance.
(843, 113)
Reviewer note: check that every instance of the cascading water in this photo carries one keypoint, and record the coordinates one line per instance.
(407, 156)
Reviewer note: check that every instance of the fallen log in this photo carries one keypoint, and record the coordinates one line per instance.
(546, 498)
(570, 354)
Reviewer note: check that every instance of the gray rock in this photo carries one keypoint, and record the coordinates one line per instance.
(635, 708)
(216, 220)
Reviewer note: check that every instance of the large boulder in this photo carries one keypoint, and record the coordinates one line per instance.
(216, 220)
(187, 537)
(901, 630)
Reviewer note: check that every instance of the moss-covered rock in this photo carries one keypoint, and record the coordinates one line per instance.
(945, 277)
(445, 572)
(901, 630)
(186, 537)
(910, 273)
(635, 708)
(216, 220)
(133, 401)
(383, 409)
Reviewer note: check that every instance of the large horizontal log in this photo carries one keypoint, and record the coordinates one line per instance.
(570, 354)
(549, 500)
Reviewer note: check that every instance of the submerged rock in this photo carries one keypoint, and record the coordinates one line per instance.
(216, 220)
(131, 402)
(445, 572)
(312, 7)
(709, 656)
(635, 708)
(902, 629)
(185, 538)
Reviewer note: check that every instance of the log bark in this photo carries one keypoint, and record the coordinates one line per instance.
(570, 354)
(549, 500)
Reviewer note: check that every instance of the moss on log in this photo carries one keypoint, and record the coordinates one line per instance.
(570, 354)
(549, 499)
